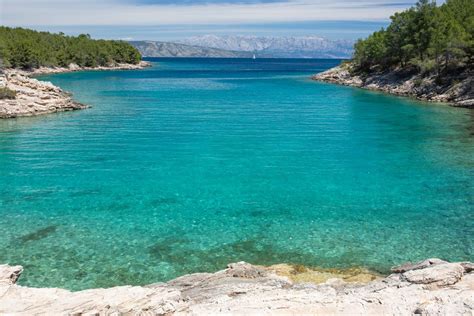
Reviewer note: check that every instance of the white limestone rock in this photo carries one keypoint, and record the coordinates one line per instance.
(420, 265)
(9, 274)
(438, 274)
(34, 97)
(431, 287)
(457, 90)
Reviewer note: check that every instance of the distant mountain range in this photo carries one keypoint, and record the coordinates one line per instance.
(264, 46)
(246, 46)
(166, 49)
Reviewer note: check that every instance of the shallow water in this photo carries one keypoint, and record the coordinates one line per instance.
(194, 163)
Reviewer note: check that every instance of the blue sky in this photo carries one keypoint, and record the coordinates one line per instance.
(168, 20)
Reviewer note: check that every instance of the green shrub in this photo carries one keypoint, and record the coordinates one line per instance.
(425, 67)
(417, 82)
(6, 93)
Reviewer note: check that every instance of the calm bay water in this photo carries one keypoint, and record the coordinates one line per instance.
(192, 164)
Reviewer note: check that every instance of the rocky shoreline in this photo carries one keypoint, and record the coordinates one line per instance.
(430, 287)
(72, 68)
(457, 90)
(34, 97)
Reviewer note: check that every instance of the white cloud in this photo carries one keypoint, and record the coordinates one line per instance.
(114, 12)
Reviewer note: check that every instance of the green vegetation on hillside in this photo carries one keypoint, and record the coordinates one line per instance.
(427, 37)
(23, 48)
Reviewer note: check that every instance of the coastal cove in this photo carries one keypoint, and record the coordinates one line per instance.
(191, 164)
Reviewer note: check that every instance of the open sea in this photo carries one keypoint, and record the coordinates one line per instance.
(195, 163)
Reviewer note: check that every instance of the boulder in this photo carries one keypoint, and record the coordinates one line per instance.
(9, 274)
(438, 274)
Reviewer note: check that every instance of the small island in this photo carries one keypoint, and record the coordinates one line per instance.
(24, 53)
(427, 52)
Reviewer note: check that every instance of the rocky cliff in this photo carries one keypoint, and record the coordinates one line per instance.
(456, 89)
(430, 287)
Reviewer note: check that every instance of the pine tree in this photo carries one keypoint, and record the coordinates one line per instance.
(425, 37)
(23, 48)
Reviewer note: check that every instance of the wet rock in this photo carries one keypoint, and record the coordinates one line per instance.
(419, 265)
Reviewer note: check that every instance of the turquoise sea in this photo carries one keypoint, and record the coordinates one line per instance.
(195, 163)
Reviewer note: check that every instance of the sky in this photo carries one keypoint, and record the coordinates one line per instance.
(168, 20)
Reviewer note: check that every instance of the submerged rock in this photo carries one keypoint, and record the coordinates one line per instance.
(431, 287)
(302, 274)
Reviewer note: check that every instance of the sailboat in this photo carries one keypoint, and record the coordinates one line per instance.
(254, 57)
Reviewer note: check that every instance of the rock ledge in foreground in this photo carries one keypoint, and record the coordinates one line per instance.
(431, 287)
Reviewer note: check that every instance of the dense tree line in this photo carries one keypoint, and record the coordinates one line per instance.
(427, 37)
(23, 48)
